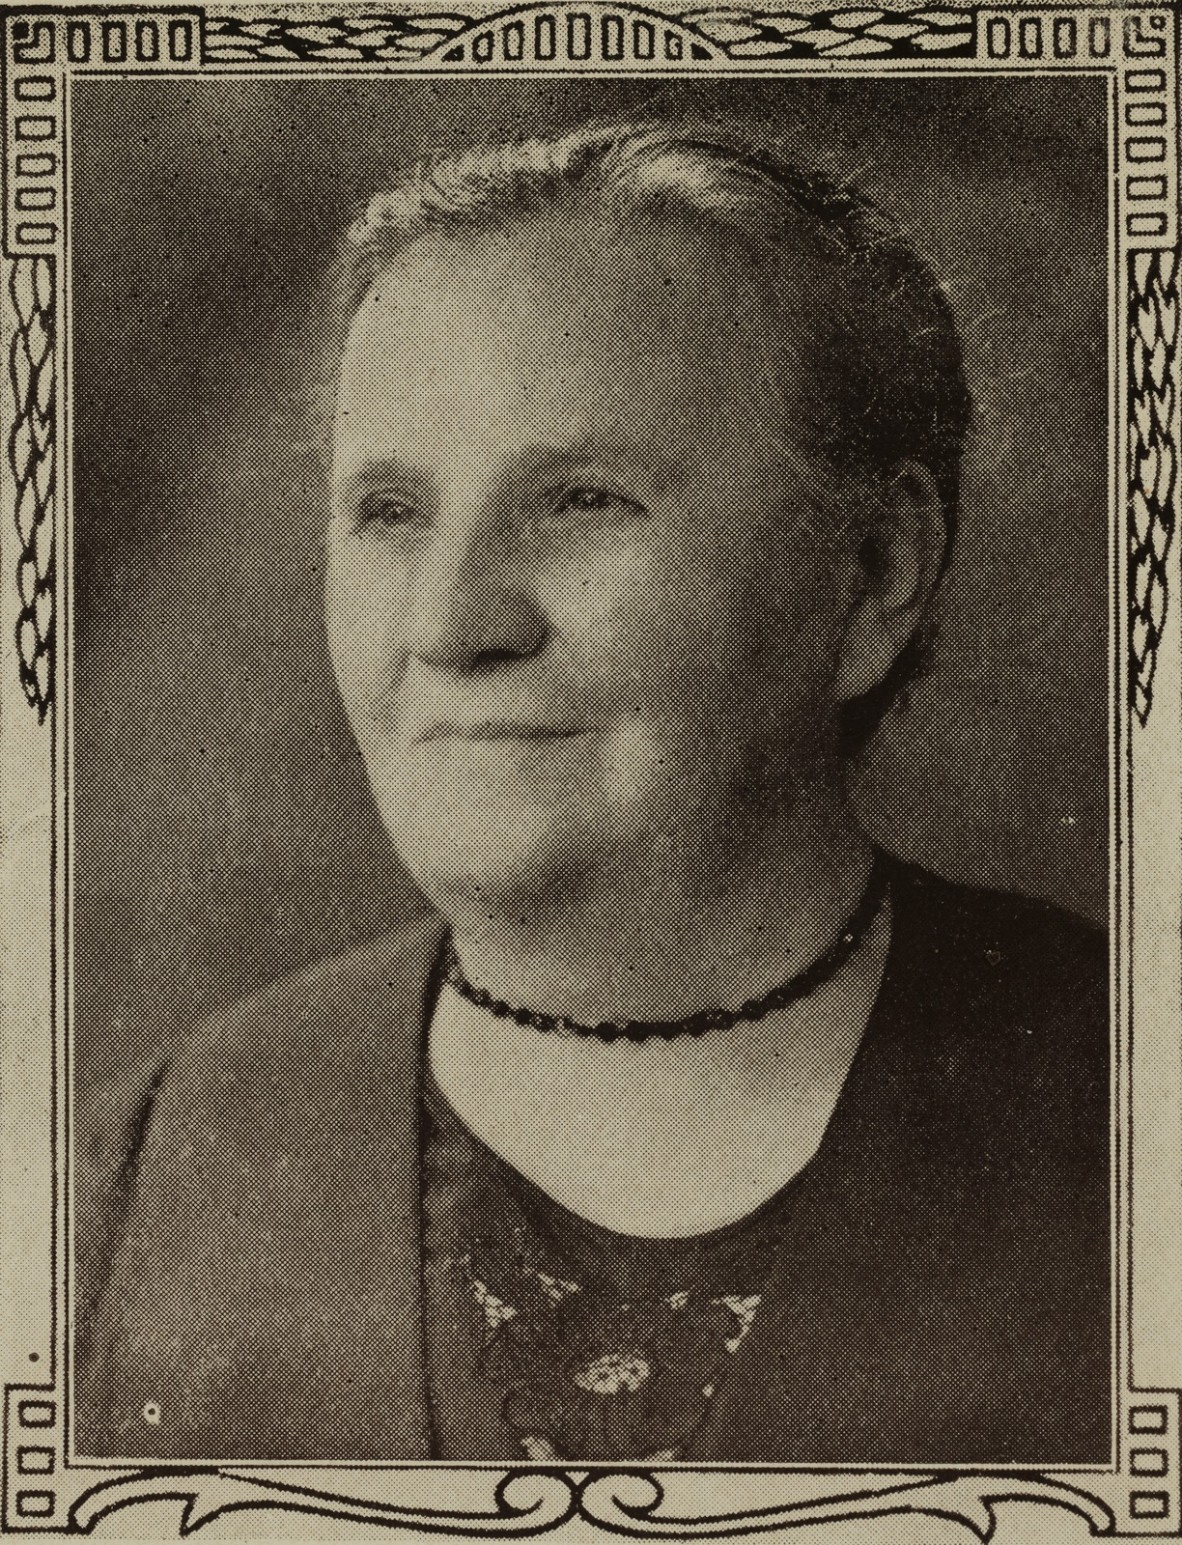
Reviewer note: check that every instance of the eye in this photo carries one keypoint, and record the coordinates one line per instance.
(592, 500)
(384, 510)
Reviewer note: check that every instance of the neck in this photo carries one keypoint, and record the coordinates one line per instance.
(677, 938)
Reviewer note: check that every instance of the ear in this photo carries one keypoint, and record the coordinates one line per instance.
(900, 564)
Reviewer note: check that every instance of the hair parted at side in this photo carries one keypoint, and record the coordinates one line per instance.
(882, 347)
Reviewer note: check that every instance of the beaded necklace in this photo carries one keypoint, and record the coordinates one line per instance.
(801, 985)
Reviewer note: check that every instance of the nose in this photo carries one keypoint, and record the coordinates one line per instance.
(470, 609)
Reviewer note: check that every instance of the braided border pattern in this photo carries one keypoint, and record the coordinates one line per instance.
(1153, 461)
(838, 34)
(744, 33)
(32, 458)
(354, 39)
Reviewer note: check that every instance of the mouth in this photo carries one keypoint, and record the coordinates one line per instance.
(493, 730)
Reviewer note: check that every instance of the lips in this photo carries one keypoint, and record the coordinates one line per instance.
(492, 730)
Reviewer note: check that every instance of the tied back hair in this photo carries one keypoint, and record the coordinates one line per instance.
(883, 353)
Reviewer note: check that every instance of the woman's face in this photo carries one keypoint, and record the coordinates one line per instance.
(584, 599)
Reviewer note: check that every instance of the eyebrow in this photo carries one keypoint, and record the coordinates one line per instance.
(377, 470)
(585, 450)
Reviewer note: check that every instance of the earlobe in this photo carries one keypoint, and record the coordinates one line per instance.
(902, 560)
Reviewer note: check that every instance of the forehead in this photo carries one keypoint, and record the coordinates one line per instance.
(570, 324)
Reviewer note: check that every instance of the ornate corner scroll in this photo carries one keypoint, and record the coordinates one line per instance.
(630, 1503)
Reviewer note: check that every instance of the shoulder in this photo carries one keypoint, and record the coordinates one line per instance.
(349, 989)
(999, 1021)
(1007, 913)
(271, 1059)
(334, 1014)
(281, 1133)
(976, 949)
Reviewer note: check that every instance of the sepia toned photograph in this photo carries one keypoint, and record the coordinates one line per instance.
(644, 481)
(610, 663)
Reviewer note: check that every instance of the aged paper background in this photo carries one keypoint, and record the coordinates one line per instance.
(115, 826)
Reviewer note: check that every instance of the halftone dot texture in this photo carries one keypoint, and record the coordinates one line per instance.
(209, 740)
(938, 1289)
(275, 1244)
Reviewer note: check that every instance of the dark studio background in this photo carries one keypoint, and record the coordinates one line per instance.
(224, 833)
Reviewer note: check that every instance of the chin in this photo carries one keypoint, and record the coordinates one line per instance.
(499, 874)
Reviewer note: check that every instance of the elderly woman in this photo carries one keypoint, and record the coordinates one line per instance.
(690, 1126)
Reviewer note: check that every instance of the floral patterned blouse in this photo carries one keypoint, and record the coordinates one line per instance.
(550, 1338)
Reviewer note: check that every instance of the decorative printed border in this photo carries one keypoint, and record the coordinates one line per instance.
(934, 32)
(360, 39)
(628, 1502)
(741, 33)
(42, 1489)
(1153, 459)
(32, 456)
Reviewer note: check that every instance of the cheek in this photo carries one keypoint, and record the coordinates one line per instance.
(594, 592)
(697, 630)
(748, 659)
(633, 653)
(791, 632)
(622, 632)
(655, 624)
(361, 611)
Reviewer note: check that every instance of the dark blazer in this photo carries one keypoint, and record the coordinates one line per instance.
(942, 1295)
